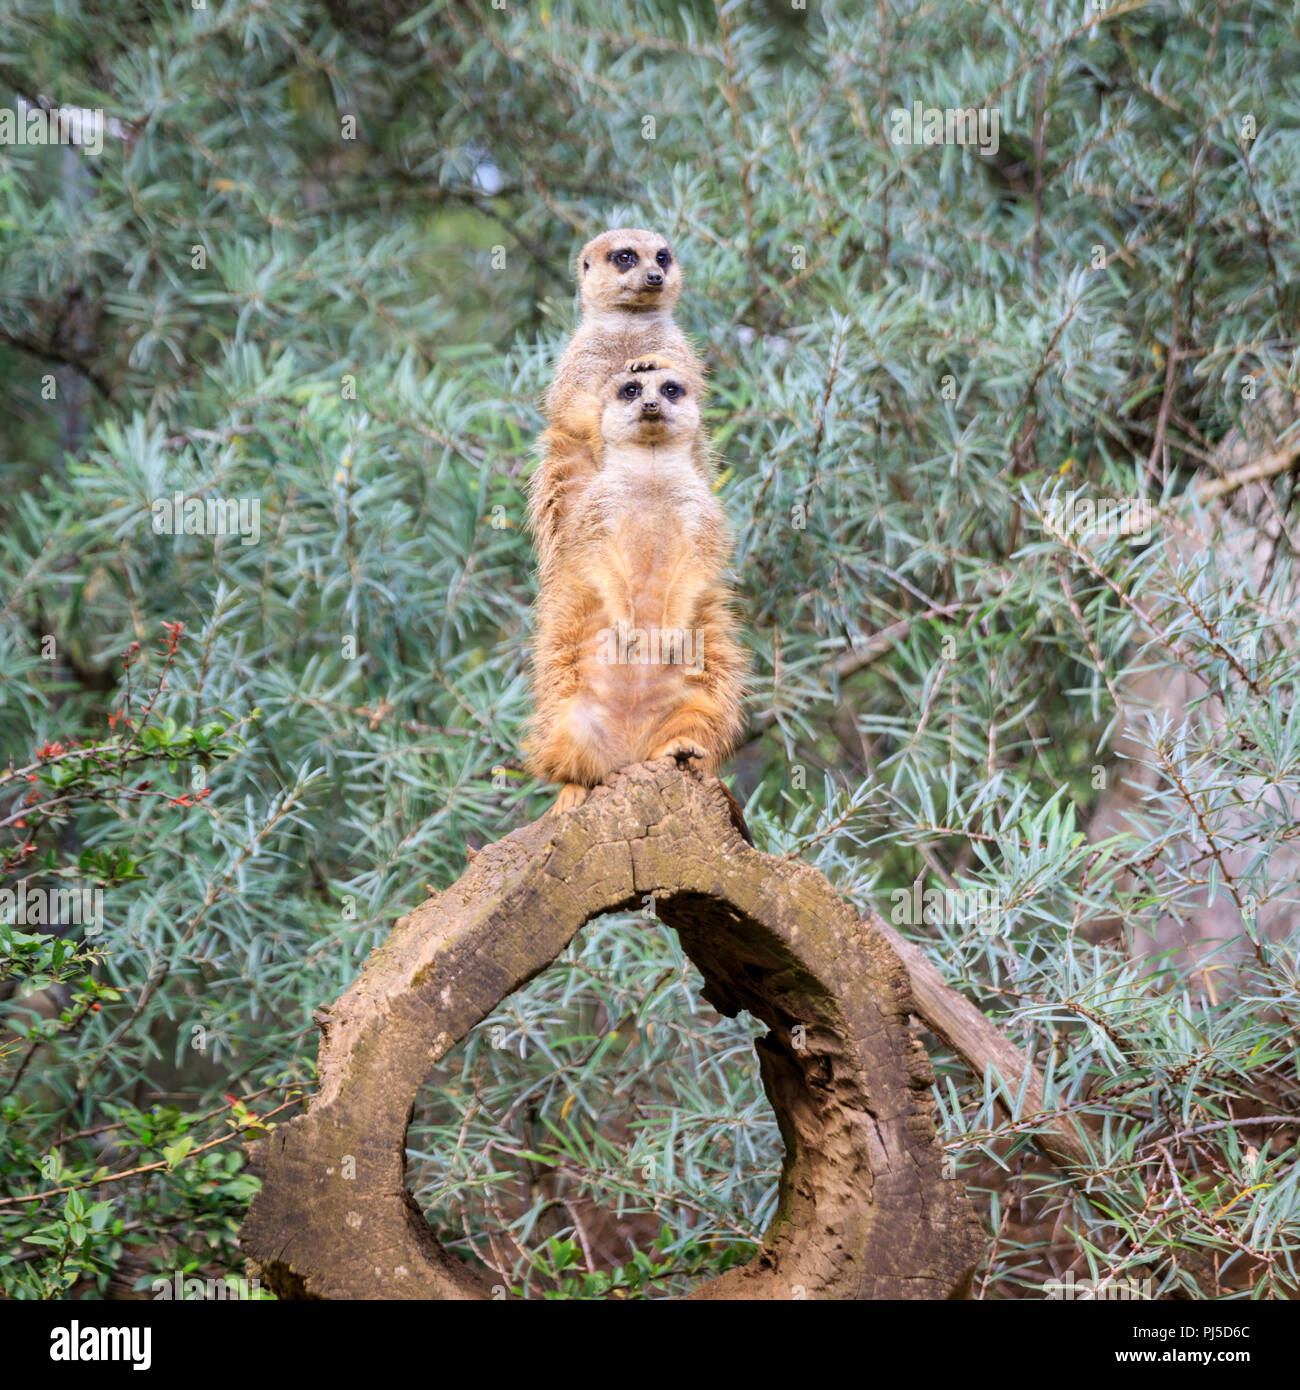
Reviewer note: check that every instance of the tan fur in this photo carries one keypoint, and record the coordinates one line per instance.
(623, 319)
(640, 548)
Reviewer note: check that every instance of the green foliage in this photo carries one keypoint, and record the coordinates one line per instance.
(602, 1099)
(914, 352)
(189, 1200)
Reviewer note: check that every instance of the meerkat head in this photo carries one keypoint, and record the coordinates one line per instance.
(653, 403)
(628, 269)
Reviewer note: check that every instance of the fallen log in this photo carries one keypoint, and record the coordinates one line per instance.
(865, 1209)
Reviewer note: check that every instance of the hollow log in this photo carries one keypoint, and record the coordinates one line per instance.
(865, 1210)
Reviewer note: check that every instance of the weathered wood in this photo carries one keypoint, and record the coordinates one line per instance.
(864, 1209)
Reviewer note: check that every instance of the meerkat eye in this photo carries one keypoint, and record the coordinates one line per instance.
(624, 258)
(664, 257)
(672, 390)
(630, 391)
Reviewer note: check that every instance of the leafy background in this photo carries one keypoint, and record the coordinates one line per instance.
(912, 350)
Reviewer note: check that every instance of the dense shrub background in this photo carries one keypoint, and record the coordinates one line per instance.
(910, 348)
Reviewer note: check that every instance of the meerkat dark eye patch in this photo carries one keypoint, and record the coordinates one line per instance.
(664, 256)
(672, 389)
(624, 259)
(629, 391)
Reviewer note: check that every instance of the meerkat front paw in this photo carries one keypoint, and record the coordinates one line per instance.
(652, 362)
(572, 795)
(680, 748)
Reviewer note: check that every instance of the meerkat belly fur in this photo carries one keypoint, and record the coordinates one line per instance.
(636, 654)
(628, 282)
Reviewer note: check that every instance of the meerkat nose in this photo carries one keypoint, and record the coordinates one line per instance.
(649, 407)
(654, 279)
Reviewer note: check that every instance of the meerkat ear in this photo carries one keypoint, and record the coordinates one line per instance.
(586, 266)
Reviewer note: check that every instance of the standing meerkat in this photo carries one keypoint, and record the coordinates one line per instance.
(628, 282)
(636, 653)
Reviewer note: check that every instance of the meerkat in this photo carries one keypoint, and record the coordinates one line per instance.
(636, 654)
(628, 282)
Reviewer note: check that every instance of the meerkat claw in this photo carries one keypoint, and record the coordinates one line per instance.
(571, 796)
(682, 749)
(650, 363)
